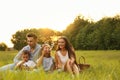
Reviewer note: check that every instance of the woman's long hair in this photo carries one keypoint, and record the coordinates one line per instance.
(68, 46)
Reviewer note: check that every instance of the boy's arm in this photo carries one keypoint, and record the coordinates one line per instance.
(19, 64)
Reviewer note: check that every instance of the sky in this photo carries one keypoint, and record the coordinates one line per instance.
(54, 14)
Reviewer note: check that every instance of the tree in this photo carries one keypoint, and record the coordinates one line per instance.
(74, 28)
(101, 35)
(45, 34)
(3, 46)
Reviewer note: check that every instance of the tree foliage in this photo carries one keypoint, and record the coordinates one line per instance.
(73, 29)
(101, 35)
(3, 46)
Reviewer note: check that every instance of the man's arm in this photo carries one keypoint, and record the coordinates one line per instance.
(17, 58)
(36, 52)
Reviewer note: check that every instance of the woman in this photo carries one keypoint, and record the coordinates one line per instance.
(65, 56)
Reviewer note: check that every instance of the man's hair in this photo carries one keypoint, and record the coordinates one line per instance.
(31, 35)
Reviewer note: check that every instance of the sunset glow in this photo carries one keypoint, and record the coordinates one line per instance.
(54, 14)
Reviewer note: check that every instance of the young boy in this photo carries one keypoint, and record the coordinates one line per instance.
(25, 63)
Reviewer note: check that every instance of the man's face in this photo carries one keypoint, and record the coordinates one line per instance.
(31, 41)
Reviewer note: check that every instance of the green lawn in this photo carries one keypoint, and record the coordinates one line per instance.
(105, 65)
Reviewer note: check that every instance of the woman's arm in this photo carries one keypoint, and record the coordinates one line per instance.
(58, 62)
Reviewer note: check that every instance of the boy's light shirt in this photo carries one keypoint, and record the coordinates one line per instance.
(29, 63)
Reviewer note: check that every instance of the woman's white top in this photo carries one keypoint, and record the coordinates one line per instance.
(63, 59)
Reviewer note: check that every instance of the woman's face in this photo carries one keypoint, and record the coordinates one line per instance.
(61, 43)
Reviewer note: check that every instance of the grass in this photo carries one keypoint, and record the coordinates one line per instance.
(105, 65)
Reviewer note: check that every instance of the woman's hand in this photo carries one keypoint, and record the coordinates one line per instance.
(72, 61)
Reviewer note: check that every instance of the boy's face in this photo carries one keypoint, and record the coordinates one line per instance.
(25, 57)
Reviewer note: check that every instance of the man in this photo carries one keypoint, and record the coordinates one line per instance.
(32, 46)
